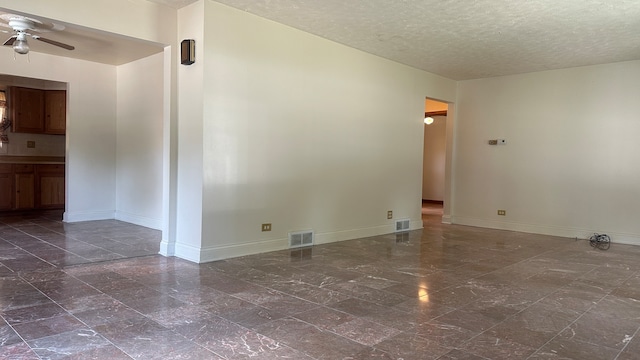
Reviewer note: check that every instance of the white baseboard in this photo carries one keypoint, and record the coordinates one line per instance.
(213, 253)
(167, 248)
(230, 251)
(139, 220)
(187, 252)
(446, 219)
(416, 225)
(569, 232)
(78, 216)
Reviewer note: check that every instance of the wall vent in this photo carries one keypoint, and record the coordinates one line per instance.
(300, 239)
(402, 225)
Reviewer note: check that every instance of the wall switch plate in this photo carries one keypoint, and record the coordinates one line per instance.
(31, 144)
(502, 212)
(266, 227)
(390, 214)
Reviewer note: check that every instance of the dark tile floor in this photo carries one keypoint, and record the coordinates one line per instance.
(40, 240)
(444, 292)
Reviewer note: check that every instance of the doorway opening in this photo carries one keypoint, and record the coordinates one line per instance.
(434, 160)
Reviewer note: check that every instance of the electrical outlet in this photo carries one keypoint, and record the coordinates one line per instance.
(390, 214)
(502, 212)
(266, 227)
(31, 144)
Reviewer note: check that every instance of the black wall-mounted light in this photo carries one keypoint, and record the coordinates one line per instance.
(187, 51)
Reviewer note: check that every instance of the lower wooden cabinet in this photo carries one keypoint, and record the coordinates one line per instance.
(50, 186)
(25, 191)
(31, 186)
(24, 186)
(6, 187)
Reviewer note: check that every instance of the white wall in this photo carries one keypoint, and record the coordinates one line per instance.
(190, 140)
(139, 142)
(570, 166)
(303, 133)
(91, 125)
(319, 155)
(433, 159)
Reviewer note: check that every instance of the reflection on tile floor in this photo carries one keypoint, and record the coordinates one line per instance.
(445, 292)
(41, 240)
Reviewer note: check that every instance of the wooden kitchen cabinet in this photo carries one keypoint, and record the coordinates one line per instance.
(49, 186)
(55, 112)
(6, 187)
(38, 111)
(27, 109)
(24, 186)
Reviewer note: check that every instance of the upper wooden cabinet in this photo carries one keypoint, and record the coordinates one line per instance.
(55, 112)
(38, 111)
(27, 109)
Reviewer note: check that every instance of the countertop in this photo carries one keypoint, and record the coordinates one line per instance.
(51, 160)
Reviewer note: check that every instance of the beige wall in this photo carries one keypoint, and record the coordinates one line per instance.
(569, 168)
(189, 215)
(302, 133)
(271, 124)
(139, 142)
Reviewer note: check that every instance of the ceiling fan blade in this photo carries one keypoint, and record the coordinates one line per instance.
(53, 42)
(10, 41)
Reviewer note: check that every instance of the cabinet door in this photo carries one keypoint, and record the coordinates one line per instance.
(6, 191)
(27, 108)
(25, 185)
(51, 191)
(55, 110)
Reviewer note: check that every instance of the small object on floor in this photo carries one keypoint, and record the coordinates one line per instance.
(600, 241)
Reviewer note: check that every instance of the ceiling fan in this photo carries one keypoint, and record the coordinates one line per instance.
(22, 26)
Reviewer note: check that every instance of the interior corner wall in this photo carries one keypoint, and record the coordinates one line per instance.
(569, 167)
(139, 146)
(433, 160)
(305, 134)
(91, 128)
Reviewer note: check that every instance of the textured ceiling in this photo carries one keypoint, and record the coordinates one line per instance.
(468, 39)
(457, 39)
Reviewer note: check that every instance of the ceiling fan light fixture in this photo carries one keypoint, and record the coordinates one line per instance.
(21, 47)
